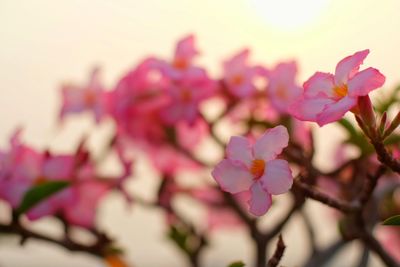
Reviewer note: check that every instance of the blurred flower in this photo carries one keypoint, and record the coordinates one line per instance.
(91, 97)
(24, 168)
(239, 76)
(256, 169)
(282, 89)
(327, 97)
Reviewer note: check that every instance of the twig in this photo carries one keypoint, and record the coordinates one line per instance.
(312, 193)
(280, 249)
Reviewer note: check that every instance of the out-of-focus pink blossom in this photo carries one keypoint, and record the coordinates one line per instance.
(390, 239)
(23, 168)
(282, 89)
(239, 76)
(327, 97)
(185, 96)
(256, 169)
(90, 97)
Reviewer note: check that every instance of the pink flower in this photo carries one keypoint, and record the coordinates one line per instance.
(239, 76)
(256, 169)
(185, 53)
(282, 89)
(185, 96)
(90, 97)
(327, 97)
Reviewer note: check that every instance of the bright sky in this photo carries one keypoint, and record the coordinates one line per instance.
(46, 42)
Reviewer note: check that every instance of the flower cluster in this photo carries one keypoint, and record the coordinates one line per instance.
(162, 107)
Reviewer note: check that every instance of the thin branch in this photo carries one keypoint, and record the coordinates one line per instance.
(385, 157)
(280, 249)
(313, 193)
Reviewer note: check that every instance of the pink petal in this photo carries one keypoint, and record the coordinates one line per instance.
(186, 49)
(335, 111)
(45, 208)
(277, 178)
(239, 149)
(349, 66)
(365, 81)
(320, 84)
(233, 177)
(58, 167)
(260, 201)
(307, 109)
(271, 143)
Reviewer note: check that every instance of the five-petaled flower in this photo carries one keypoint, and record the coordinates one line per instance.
(327, 97)
(256, 169)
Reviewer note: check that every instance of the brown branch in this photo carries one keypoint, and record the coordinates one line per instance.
(370, 241)
(98, 249)
(370, 184)
(313, 193)
(385, 157)
(280, 249)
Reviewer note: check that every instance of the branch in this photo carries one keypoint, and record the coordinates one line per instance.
(313, 193)
(98, 249)
(280, 249)
(385, 157)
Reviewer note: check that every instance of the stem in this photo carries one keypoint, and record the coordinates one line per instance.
(280, 249)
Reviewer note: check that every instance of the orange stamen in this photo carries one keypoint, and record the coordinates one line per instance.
(257, 168)
(180, 64)
(341, 90)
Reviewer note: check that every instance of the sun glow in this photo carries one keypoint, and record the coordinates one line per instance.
(290, 14)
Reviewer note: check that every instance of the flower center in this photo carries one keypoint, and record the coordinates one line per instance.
(180, 64)
(237, 79)
(257, 168)
(186, 95)
(281, 92)
(90, 97)
(340, 91)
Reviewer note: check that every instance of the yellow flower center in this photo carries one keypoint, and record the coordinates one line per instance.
(340, 91)
(257, 168)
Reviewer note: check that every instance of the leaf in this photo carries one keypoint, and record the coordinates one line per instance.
(395, 220)
(40, 192)
(236, 264)
(180, 237)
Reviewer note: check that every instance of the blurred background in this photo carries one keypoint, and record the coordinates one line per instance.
(46, 42)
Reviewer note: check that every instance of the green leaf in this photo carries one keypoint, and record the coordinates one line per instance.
(180, 237)
(40, 192)
(395, 220)
(236, 264)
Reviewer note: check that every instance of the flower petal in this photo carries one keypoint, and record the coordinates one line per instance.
(277, 178)
(349, 66)
(238, 149)
(233, 177)
(307, 109)
(365, 81)
(320, 84)
(271, 143)
(260, 201)
(336, 111)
